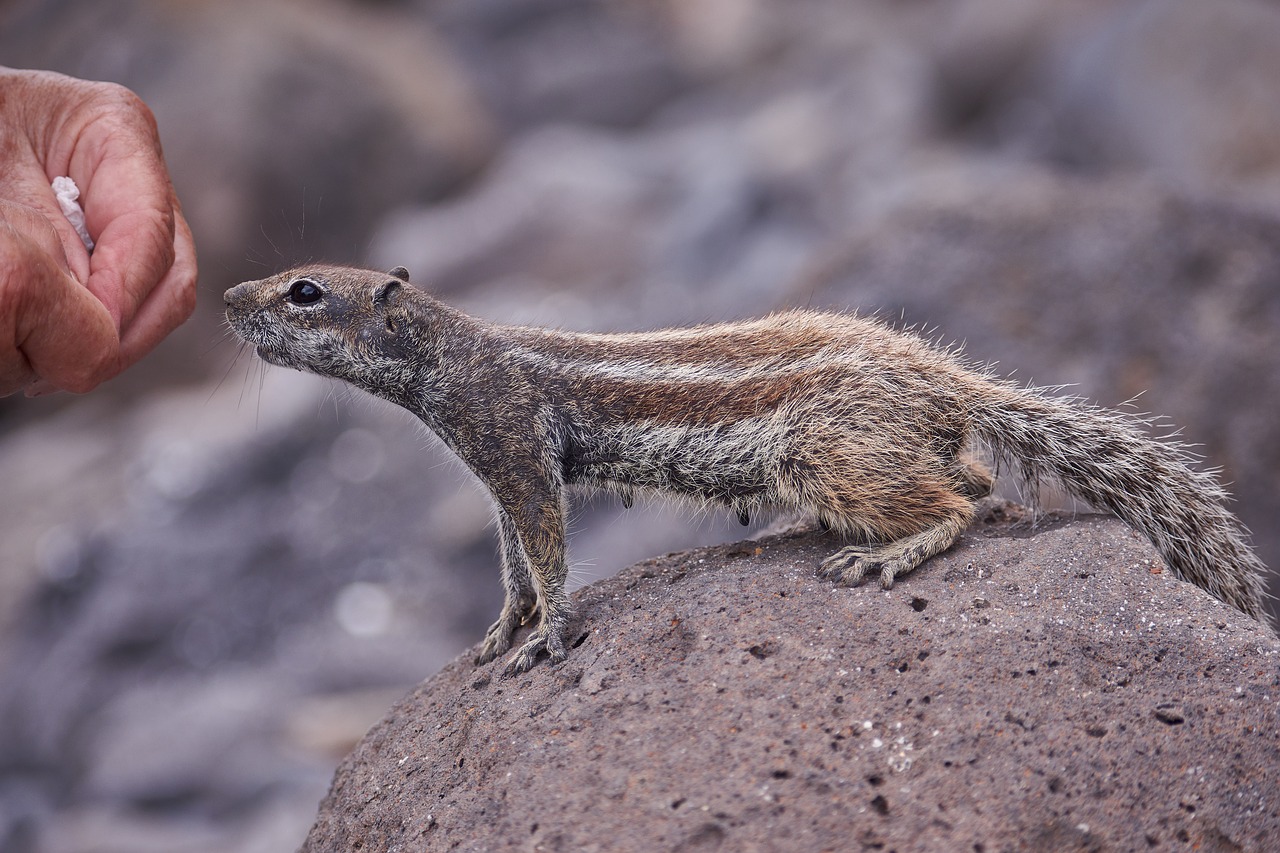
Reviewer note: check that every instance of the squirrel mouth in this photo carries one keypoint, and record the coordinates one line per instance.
(270, 356)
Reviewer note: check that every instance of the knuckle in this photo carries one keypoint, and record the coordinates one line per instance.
(122, 97)
(96, 370)
(186, 302)
(92, 372)
(169, 223)
(123, 109)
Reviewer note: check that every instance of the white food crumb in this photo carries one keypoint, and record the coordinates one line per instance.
(68, 194)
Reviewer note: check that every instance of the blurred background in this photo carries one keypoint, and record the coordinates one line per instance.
(214, 576)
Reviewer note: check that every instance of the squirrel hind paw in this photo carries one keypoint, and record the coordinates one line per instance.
(851, 565)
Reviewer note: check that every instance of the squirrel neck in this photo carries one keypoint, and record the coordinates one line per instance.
(459, 364)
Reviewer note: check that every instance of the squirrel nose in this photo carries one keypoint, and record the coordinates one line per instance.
(231, 294)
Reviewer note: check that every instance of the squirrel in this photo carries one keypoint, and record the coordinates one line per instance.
(865, 428)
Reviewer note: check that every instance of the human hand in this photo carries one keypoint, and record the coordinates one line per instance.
(70, 320)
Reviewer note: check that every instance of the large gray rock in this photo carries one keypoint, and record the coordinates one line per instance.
(1180, 89)
(211, 610)
(1046, 687)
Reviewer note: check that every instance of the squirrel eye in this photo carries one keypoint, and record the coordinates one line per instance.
(304, 291)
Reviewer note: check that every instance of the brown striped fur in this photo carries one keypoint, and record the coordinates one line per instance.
(863, 427)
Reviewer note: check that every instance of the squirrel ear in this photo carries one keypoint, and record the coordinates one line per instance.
(401, 273)
(385, 294)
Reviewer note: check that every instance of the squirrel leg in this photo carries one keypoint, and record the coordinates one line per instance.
(521, 599)
(911, 505)
(893, 559)
(540, 532)
(976, 480)
(549, 635)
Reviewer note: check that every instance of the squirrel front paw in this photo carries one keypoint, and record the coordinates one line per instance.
(496, 642)
(498, 638)
(548, 640)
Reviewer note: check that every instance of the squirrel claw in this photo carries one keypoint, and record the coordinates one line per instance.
(854, 563)
(547, 639)
(527, 655)
(490, 651)
(844, 564)
(496, 641)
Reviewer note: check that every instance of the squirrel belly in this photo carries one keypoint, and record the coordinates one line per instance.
(863, 427)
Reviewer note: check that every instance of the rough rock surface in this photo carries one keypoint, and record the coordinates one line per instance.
(1044, 687)
(1174, 86)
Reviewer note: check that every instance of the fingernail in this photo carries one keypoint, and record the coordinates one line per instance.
(41, 388)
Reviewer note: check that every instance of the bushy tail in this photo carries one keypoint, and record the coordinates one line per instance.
(1105, 458)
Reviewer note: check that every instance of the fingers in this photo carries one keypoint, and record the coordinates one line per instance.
(168, 304)
(35, 195)
(72, 343)
(16, 250)
(143, 268)
(51, 327)
(34, 105)
(105, 138)
(54, 329)
(129, 202)
(15, 371)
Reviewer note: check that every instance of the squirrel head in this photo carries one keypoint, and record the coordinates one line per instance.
(352, 324)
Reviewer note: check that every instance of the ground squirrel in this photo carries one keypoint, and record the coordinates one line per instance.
(865, 428)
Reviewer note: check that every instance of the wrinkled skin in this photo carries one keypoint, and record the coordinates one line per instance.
(70, 320)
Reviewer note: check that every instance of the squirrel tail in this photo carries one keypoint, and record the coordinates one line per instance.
(1105, 458)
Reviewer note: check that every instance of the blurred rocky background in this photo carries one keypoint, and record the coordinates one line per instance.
(215, 577)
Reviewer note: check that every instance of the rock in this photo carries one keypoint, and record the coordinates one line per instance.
(720, 36)
(989, 56)
(195, 626)
(704, 214)
(578, 61)
(1170, 89)
(1179, 89)
(581, 228)
(1047, 686)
